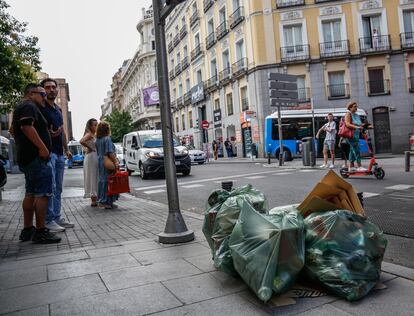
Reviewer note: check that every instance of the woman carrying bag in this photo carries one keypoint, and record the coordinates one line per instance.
(107, 164)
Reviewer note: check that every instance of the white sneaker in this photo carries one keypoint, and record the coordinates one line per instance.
(344, 166)
(64, 223)
(361, 169)
(54, 228)
(323, 166)
(331, 166)
(352, 169)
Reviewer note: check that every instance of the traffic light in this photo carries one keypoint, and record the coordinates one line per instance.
(197, 124)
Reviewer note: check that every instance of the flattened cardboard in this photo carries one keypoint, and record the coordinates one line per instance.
(321, 190)
(317, 204)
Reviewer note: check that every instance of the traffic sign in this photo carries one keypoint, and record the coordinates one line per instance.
(281, 77)
(282, 85)
(205, 124)
(283, 90)
(284, 94)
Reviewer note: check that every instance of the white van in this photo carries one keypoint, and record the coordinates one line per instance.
(144, 152)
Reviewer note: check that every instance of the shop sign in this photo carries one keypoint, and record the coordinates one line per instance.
(238, 136)
(197, 93)
(151, 96)
(256, 134)
(217, 118)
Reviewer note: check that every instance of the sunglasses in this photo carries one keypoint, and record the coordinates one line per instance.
(43, 94)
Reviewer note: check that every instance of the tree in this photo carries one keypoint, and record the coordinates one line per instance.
(19, 59)
(121, 124)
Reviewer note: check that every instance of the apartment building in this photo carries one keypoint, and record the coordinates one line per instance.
(220, 53)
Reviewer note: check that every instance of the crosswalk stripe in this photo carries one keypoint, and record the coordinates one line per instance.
(154, 191)
(255, 177)
(191, 186)
(307, 170)
(369, 194)
(281, 173)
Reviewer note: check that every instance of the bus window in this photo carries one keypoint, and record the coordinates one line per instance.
(294, 129)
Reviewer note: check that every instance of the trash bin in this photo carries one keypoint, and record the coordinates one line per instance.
(306, 151)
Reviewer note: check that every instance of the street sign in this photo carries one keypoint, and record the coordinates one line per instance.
(282, 85)
(281, 77)
(205, 124)
(217, 118)
(283, 90)
(284, 94)
(282, 102)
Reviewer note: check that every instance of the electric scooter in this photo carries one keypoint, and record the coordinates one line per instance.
(373, 168)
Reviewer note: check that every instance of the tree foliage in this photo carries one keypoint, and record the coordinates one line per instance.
(121, 124)
(19, 59)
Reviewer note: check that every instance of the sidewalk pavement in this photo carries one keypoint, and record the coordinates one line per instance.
(112, 264)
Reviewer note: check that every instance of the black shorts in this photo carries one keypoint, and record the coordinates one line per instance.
(345, 148)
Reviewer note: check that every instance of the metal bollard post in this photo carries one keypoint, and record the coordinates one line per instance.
(227, 185)
(407, 161)
(268, 157)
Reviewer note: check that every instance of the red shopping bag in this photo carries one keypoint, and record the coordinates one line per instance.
(118, 183)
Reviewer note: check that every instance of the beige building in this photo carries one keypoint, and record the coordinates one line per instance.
(220, 54)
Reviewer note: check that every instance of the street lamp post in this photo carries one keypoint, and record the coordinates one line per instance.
(175, 229)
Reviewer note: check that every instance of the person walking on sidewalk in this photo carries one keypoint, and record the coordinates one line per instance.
(215, 146)
(33, 144)
(229, 148)
(90, 164)
(329, 142)
(54, 118)
(105, 148)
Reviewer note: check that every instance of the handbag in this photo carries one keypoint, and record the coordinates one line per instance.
(108, 164)
(344, 131)
(118, 183)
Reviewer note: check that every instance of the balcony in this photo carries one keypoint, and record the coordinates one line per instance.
(174, 105)
(323, 1)
(176, 40)
(183, 32)
(187, 98)
(178, 69)
(225, 76)
(304, 95)
(297, 53)
(288, 3)
(407, 40)
(171, 74)
(184, 63)
(170, 47)
(194, 18)
(338, 91)
(374, 44)
(207, 4)
(245, 104)
(222, 30)
(196, 52)
(378, 87)
(212, 84)
(210, 40)
(334, 49)
(180, 102)
(236, 17)
(239, 68)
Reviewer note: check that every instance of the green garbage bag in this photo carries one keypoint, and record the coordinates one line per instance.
(268, 250)
(220, 216)
(344, 252)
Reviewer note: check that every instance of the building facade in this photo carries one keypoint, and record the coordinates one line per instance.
(139, 79)
(220, 54)
(107, 106)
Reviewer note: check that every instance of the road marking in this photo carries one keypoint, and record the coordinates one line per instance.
(153, 191)
(206, 180)
(400, 187)
(281, 173)
(255, 177)
(191, 186)
(307, 170)
(369, 194)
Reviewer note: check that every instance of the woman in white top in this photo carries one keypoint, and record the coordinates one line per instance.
(90, 164)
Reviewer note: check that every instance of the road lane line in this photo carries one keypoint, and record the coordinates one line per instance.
(191, 186)
(307, 170)
(369, 194)
(255, 177)
(400, 187)
(154, 191)
(281, 173)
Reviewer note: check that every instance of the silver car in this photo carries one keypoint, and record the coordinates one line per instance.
(197, 156)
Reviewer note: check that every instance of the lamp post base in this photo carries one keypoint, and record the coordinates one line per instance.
(176, 238)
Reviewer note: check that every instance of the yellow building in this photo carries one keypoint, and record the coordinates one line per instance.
(220, 54)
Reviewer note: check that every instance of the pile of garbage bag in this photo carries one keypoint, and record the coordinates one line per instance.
(344, 252)
(269, 249)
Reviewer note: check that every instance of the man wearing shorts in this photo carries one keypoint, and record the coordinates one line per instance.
(33, 154)
(329, 142)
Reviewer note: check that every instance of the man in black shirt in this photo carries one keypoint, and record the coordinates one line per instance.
(33, 144)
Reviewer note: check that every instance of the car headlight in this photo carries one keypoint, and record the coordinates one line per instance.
(151, 154)
(185, 152)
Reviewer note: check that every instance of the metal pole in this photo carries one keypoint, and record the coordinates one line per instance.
(313, 151)
(175, 229)
(279, 122)
(407, 161)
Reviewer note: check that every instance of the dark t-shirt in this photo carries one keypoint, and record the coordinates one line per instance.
(54, 118)
(27, 113)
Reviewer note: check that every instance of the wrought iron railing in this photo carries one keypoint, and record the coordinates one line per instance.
(225, 75)
(207, 4)
(222, 30)
(194, 18)
(304, 94)
(378, 87)
(411, 84)
(294, 53)
(176, 40)
(338, 91)
(289, 3)
(172, 74)
(374, 44)
(236, 17)
(178, 69)
(245, 104)
(170, 47)
(210, 40)
(333, 49)
(211, 83)
(185, 63)
(197, 51)
(187, 98)
(183, 32)
(407, 40)
(239, 67)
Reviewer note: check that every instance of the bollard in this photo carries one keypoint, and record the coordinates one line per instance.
(269, 158)
(407, 161)
(227, 185)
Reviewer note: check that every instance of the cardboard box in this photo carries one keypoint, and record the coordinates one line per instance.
(330, 194)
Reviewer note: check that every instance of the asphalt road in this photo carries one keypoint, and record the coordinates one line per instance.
(390, 202)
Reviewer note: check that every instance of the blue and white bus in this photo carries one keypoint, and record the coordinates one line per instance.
(297, 124)
(77, 154)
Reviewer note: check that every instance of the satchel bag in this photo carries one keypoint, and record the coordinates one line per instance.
(108, 164)
(344, 131)
(118, 183)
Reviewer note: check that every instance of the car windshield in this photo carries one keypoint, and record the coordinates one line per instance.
(154, 140)
(119, 150)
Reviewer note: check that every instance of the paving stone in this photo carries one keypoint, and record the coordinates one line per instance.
(122, 249)
(90, 266)
(204, 262)
(24, 264)
(49, 292)
(398, 270)
(36, 311)
(231, 305)
(157, 272)
(202, 287)
(385, 277)
(15, 278)
(396, 300)
(134, 301)
(325, 310)
(171, 253)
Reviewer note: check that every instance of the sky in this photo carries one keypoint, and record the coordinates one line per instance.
(85, 42)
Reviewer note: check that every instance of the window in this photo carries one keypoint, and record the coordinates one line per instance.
(216, 104)
(408, 35)
(187, 84)
(226, 59)
(229, 99)
(244, 99)
(180, 90)
(199, 76)
(300, 81)
(183, 121)
(183, 21)
(331, 31)
(185, 51)
(213, 68)
(194, 7)
(371, 25)
(376, 83)
(293, 38)
(153, 45)
(240, 50)
(336, 87)
(222, 15)
(190, 119)
(177, 126)
(197, 40)
(178, 58)
(374, 34)
(210, 26)
(236, 4)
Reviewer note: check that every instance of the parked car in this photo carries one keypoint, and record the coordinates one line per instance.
(120, 154)
(196, 155)
(143, 152)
